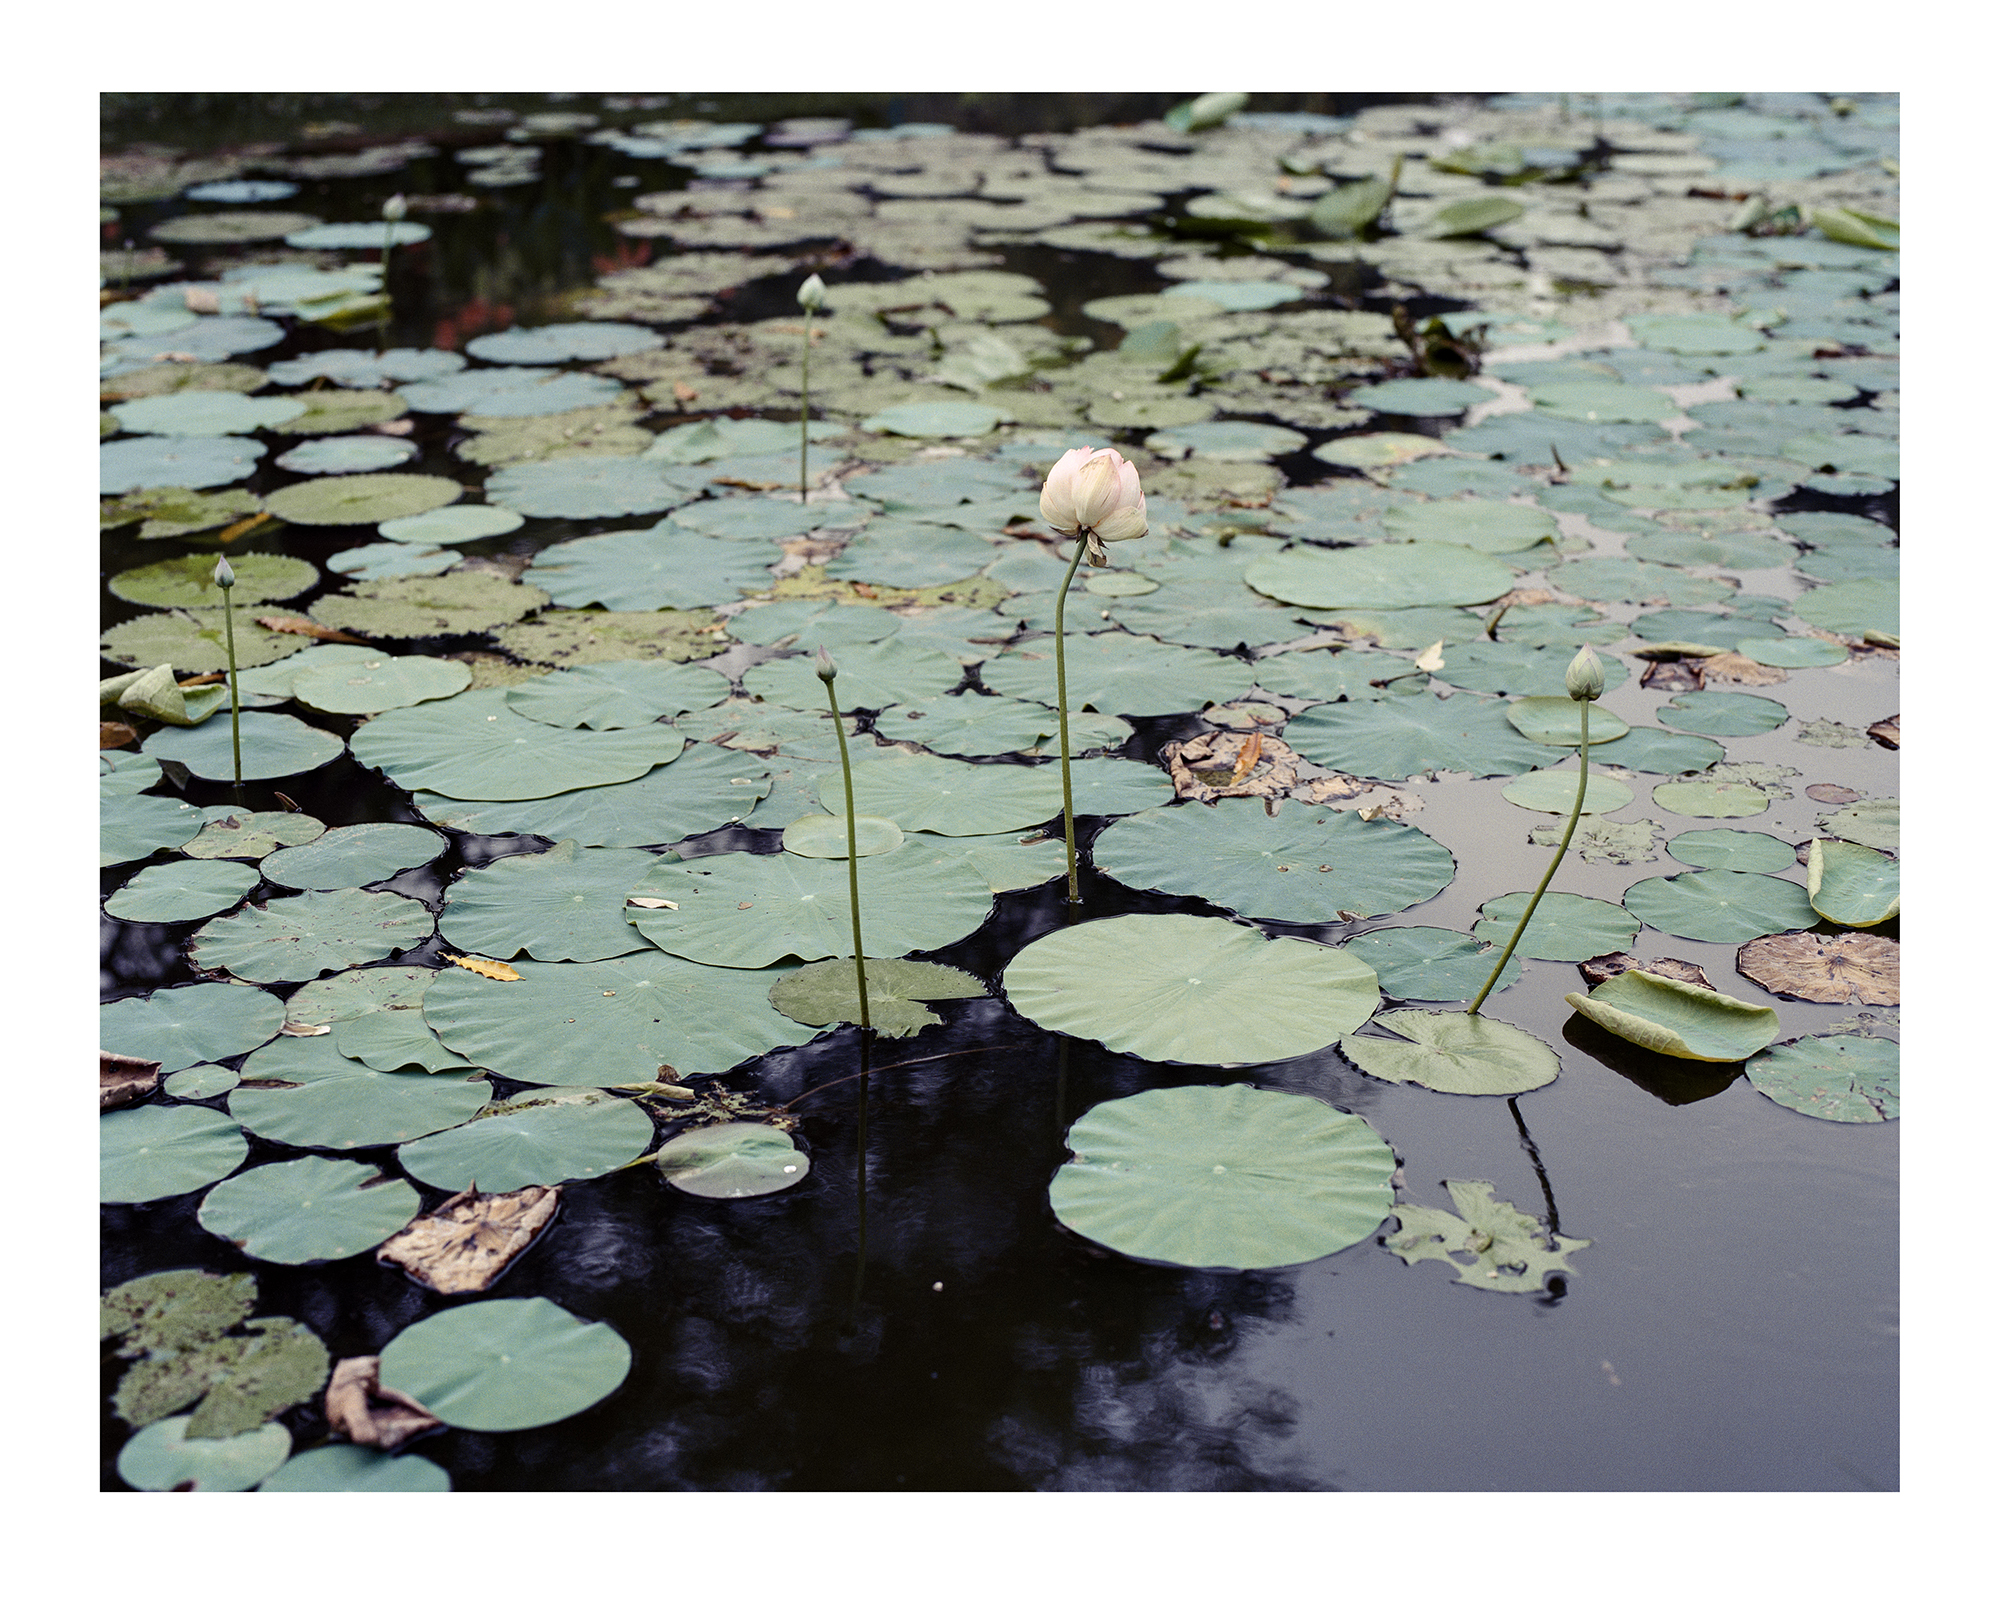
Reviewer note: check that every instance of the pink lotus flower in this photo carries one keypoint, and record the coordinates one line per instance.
(1094, 493)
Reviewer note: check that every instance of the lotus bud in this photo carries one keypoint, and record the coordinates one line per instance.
(824, 668)
(812, 293)
(1094, 492)
(395, 208)
(1585, 678)
(225, 577)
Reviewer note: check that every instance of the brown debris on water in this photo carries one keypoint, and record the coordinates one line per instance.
(124, 1079)
(1600, 968)
(1888, 732)
(464, 1245)
(1730, 667)
(358, 1407)
(1862, 969)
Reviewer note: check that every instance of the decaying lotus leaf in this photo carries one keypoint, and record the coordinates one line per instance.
(472, 1238)
(1733, 667)
(281, 1363)
(1505, 1244)
(1601, 969)
(306, 626)
(123, 1079)
(1212, 766)
(1858, 969)
(359, 1407)
(1888, 732)
(174, 1310)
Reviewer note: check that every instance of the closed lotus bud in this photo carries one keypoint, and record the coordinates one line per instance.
(1585, 678)
(1095, 492)
(225, 578)
(395, 208)
(824, 666)
(812, 293)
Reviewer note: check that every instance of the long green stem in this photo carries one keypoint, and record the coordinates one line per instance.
(235, 718)
(1575, 811)
(853, 858)
(805, 397)
(1062, 721)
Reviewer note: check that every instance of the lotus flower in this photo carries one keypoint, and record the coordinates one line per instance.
(1094, 493)
(812, 293)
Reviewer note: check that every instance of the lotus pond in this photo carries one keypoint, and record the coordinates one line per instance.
(484, 1101)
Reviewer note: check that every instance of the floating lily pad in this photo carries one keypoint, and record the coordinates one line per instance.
(1876, 823)
(617, 694)
(1505, 668)
(885, 673)
(1565, 927)
(274, 746)
(824, 993)
(1227, 441)
(578, 638)
(361, 498)
(1384, 577)
(1557, 719)
(1419, 963)
(382, 683)
(343, 411)
(452, 525)
(197, 1022)
(648, 569)
(911, 555)
(1197, 989)
(1846, 883)
(1854, 607)
(1719, 798)
(351, 235)
(1720, 906)
(733, 1161)
(204, 413)
(1678, 1019)
(936, 419)
(359, 454)
(393, 1034)
(161, 1456)
(131, 827)
(1422, 397)
(174, 463)
(307, 1210)
(1695, 335)
(1120, 675)
(430, 607)
(497, 1366)
(303, 1091)
(367, 562)
(1620, 578)
(1588, 401)
(1834, 1078)
(1731, 849)
(1723, 715)
(348, 858)
(558, 342)
(538, 1136)
(1793, 652)
(824, 837)
(1454, 1053)
(1507, 1248)
(353, 1469)
(305, 935)
(182, 891)
(1400, 737)
(151, 1152)
(566, 904)
(1222, 1176)
(1495, 526)
(1554, 790)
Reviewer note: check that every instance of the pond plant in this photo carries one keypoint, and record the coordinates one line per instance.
(225, 580)
(826, 670)
(812, 294)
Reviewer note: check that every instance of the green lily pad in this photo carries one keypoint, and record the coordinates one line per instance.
(429, 607)
(354, 1469)
(333, 411)
(1495, 526)
(1723, 715)
(1420, 963)
(810, 623)
(274, 746)
(305, 935)
(305, 1092)
(1005, 860)
(1505, 1245)
(1454, 1053)
(538, 1136)
(497, 1366)
(1119, 675)
(1557, 719)
(1195, 989)
(196, 1022)
(1793, 652)
(380, 684)
(458, 524)
(1508, 668)
(242, 1380)
(394, 1034)
(174, 462)
(1720, 906)
(1218, 614)
(268, 685)
(1858, 453)
(181, 891)
(1678, 1019)
(131, 827)
(161, 1456)
(188, 582)
(1554, 790)
(252, 835)
(194, 642)
(1422, 397)
(936, 419)
(1607, 401)
(1731, 849)
(1723, 631)
(557, 342)
(1677, 547)
(1717, 798)
(1875, 823)
(599, 1024)
(1326, 675)
(1854, 607)
(1848, 884)
(351, 857)
(1565, 927)
(1384, 577)
(1621, 578)
(1227, 441)
(1400, 737)
(566, 904)
(1650, 750)
(363, 498)
(648, 569)
(380, 559)
(125, 772)
(1835, 1078)
(1222, 1176)
(151, 1152)
(824, 993)
(558, 638)
(885, 673)
(824, 837)
(1475, 215)
(617, 694)
(1695, 335)
(199, 1083)
(1307, 864)
(307, 1210)
(205, 413)
(357, 992)
(972, 724)
(360, 453)
(732, 1161)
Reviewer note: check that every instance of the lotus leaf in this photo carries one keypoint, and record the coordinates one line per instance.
(348, 858)
(361, 498)
(380, 559)
(1505, 1245)
(564, 341)
(1731, 849)
(926, 793)
(182, 891)
(1384, 577)
(732, 1161)
(151, 1152)
(1854, 607)
(174, 463)
(1495, 526)
(1846, 883)
(579, 638)
(363, 453)
(1695, 335)
(161, 1456)
(1229, 441)
(1833, 1078)
(199, 1083)
(1720, 906)
(1565, 927)
(972, 724)
(380, 683)
(617, 694)
(1419, 963)
(1222, 1176)
(197, 1022)
(395, 1035)
(1399, 737)
(763, 518)
(497, 1366)
(911, 555)
(1218, 614)
(1422, 397)
(1793, 652)
(823, 994)
(204, 413)
(1846, 452)
(881, 674)
(1557, 719)
(1476, 215)
(1678, 1019)
(125, 772)
(565, 904)
(1876, 823)
(353, 1469)
(935, 419)
(356, 993)
(274, 746)
(346, 235)
(650, 569)
(1119, 675)
(1611, 578)
(131, 827)
(824, 838)
(458, 524)
(210, 339)
(308, 934)
(1454, 1053)
(538, 1136)
(1554, 790)
(307, 1210)
(1714, 712)
(302, 1091)
(1721, 798)
(426, 608)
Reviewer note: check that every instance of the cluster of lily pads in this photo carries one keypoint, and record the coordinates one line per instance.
(1660, 424)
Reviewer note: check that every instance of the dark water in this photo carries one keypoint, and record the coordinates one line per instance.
(1730, 1327)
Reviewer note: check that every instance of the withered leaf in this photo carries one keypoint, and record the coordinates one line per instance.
(110, 735)
(1212, 766)
(1598, 969)
(1888, 732)
(358, 1406)
(1732, 667)
(1862, 969)
(1672, 677)
(312, 630)
(123, 1079)
(472, 1238)
(249, 524)
(486, 967)
(1833, 794)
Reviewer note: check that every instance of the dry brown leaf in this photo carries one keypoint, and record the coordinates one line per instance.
(236, 530)
(110, 735)
(311, 629)
(1672, 677)
(1211, 767)
(199, 299)
(1861, 969)
(358, 1406)
(472, 1238)
(486, 967)
(1596, 971)
(1246, 758)
(1730, 667)
(1833, 794)
(1888, 732)
(123, 1079)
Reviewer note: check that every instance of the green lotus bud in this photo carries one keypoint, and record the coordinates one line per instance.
(824, 666)
(811, 293)
(1585, 678)
(225, 578)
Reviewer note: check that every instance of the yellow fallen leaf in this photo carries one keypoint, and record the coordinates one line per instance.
(1431, 659)
(497, 970)
(1246, 758)
(312, 630)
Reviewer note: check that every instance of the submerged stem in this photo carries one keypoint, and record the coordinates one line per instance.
(853, 858)
(1062, 718)
(1575, 811)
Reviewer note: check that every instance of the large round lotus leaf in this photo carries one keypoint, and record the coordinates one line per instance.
(1528, 669)
(198, 1022)
(1876, 823)
(199, 1083)
(598, 1024)
(1722, 715)
(1421, 397)
(161, 1455)
(1860, 561)
(274, 746)
(1846, 883)
(347, 858)
(719, 438)
(500, 1365)
(150, 1152)
(972, 724)
(824, 838)
(1195, 989)
(362, 453)
(1721, 907)
(538, 1136)
(125, 772)
(1607, 401)
(452, 525)
(184, 891)
(932, 794)
(617, 694)
(559, 638)
(354, 235)
(1695, 335)
(936, 419)
(1732, 849)
(1650, 750)
(137, 319)
(355, 1469)
(707, 788)
(394, 1035)
(1565, 927)
(810, 623)
(1306, 864)
(1678, 1019)
(189, 582)
(210, 339)
(307, 1210)
(1837, 1079)
(358, 992)
(1415, 733)
(337, 411)
(1555, 791)
(427, 608)
(734, 1161)
(565, 341)
(1218, 614)
(1454, 1053)
(1721, 629)
(1227, 441)
(511, 392)
(650, 569)
(1558, 625)
(232, 227)
(1420, 963)
(305, 935)
(593, 486)
(367, 562)
(204, 413)
(1854, 607)
(1385, 577)
(911, 555)
(362, 498)
(1557, 719)
(1720, 798)
(1223, 1176)
(382, 683)
(174, 463)
(1323, 674)
(1120, 675)
(1005, 860)
(566, 904)
(473, 747)
(741, 910)
(1620, 578)
(1683, 548)
(131, 827)
(1847, 452)
(885, 673)
(305, 1092)
(1496, 526)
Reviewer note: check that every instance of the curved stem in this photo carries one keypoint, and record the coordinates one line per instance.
(805, 403)
(1575, 811)
(853, 859)
(235, 721)
(1062, 720)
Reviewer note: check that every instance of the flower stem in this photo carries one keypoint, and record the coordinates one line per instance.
(853, 858)
(235, 719)
(1062, 720)
(1575, 811)
(805, 406)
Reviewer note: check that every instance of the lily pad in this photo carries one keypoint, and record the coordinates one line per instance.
(732, 1161)
(911, 555)
(617, 694)
(361, 498)
(1832, 1077)
(1650, 750)
(430, 607)
(1495, 526)
(161, 1456)
(199, 1083)
(1195, 989)
(578, 638)
(1854, 607)
(362, 453)
(1506, 1246)
(824, 838)
(1876, 823)
(1723, 715)
(538, 1136)
(824, 993)
(1720, 906)
(131, 827)
(1846, 883)
(565, 904)
(350, 857)
(497, 1366)
(353, 1469)
(649, 569)
(1422, 397)
(274, 746)
(1554, 790)
(1222, 1176)
(558, 342)
(382, 683)
(884, 673)
(1607, 401)
(1678, 1019)
(1420, 963)
(1732, 849)
(196, 1022)
(1381, 577)
(1454, 1053)
(351, 235)
(307, 1210)
(182, 891)
(305, 1092)
(1228, 441)
(1557, 719)
(205, 413)
(1120, 675)
(1719, 798)
(151, 1152)
(1565, 927)
(1400, 737)
(380, 559)
(1492, 667)
(174, 463)
(308, 934)
(457, 524)
(936, 419)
